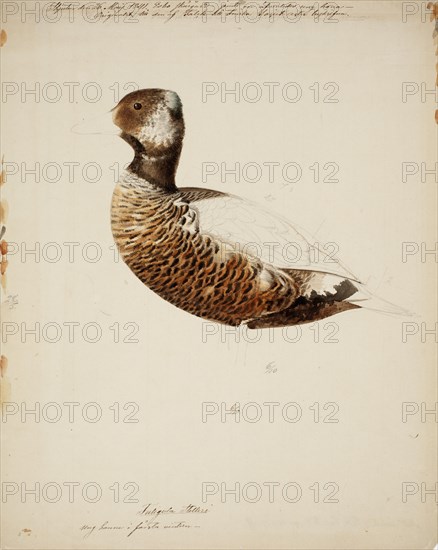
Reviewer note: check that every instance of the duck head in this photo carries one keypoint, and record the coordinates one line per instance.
(152, 122)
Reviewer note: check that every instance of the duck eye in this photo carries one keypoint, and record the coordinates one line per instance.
(137, 106)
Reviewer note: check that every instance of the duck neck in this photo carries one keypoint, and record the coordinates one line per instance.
(159, 169)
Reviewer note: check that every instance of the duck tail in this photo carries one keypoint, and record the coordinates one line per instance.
(332, 288)
(325, 295)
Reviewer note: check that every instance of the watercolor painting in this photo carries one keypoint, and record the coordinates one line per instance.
(214, 255)
(212, 219)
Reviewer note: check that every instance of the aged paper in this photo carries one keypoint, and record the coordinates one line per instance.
(128, 423)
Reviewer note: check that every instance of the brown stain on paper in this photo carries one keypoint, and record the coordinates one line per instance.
(3, 251)
(5, 385)
(3, 37)
(433, 7)
(4, 210)
(2, 172)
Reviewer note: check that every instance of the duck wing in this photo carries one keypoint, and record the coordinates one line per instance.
(246, 227)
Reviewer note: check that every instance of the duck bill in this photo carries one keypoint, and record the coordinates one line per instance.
(102, 124)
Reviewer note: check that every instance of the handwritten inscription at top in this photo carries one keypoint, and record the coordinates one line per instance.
(250, 11)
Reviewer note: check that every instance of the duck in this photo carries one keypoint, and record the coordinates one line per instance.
(214, 255)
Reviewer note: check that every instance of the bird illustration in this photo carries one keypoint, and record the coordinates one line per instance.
(212, 254)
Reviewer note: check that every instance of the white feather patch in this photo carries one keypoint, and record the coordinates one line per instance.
(323, 283)
(160, 129)
(172, 100)
(265, 280)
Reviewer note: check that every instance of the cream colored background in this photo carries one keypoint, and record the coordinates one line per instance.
(170, 372)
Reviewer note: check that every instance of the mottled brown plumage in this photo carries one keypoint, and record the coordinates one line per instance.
(173, 241)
